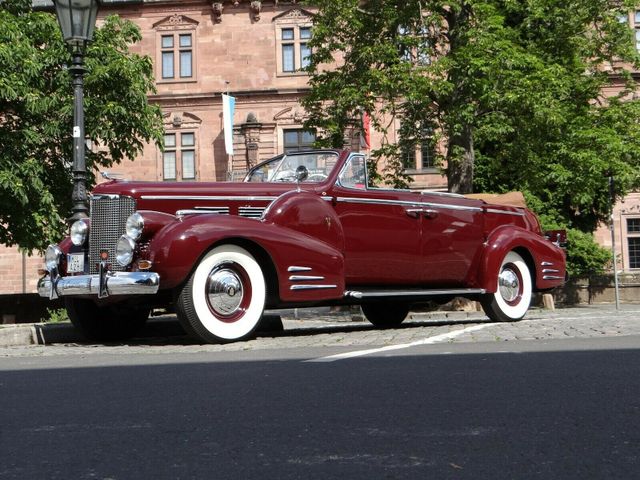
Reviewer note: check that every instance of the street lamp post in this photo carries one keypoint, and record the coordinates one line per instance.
(612, 225)
(77, 19)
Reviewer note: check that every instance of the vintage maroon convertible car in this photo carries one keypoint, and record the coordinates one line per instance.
(303, 229)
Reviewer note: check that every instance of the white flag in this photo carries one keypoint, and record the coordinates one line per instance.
(228, 109)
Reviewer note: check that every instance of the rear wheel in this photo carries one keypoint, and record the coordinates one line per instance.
(106, 323)
(512, 298)
(385, 315)
(224, 298)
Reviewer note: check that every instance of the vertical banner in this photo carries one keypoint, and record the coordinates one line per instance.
(228, 109)
(365, 133)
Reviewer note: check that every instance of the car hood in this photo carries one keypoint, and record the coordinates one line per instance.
(139, 190)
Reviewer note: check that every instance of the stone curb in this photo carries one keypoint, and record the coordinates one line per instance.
(18, 335)
(37, 334)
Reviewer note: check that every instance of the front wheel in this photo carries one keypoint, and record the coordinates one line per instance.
(385, 315)
(105, 323)
(225, 296)
(512, 298)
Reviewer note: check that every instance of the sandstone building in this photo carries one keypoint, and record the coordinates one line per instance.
(252, 50)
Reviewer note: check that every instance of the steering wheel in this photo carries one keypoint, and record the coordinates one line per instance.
(317, 177)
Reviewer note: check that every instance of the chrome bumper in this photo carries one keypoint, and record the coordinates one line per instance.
(116, 283)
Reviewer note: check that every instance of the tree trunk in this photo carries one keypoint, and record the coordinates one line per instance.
(460, 160)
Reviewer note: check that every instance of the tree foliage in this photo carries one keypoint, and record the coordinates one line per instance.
(512, 89)
(36, 116)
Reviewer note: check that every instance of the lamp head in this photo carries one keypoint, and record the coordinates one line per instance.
(77, 19)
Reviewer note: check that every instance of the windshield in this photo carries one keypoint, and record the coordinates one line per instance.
(283, 168)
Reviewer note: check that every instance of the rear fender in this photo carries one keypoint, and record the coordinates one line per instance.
(543, 258)
(307, 269)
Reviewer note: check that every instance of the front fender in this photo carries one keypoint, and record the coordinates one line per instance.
(176, 249)
(545, 260)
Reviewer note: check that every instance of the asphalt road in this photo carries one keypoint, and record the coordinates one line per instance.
(545, 409)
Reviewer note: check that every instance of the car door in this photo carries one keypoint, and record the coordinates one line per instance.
(382, 231)
(452, 237)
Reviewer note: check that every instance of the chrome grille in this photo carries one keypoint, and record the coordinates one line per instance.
(251, 212)
(109, 215)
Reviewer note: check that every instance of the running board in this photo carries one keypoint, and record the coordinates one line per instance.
(457, 292)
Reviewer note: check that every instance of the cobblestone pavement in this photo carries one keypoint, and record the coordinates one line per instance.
(320, 328)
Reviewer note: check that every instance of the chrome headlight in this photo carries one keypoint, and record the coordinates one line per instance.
(124, 250)
(135, 225)
(79, 231)
(52, 257)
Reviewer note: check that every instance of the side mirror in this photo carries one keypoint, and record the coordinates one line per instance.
(301, 174)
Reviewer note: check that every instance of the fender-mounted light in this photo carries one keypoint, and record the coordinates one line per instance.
(78, 233)
(135, 225)
(124, 250)
(52, 257)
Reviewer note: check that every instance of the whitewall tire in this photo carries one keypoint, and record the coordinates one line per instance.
(512, 297)
(225, 296)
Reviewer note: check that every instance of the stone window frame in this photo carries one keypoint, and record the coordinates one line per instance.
(296, 20)
(175, 26)
(178, 149)
(179, 125)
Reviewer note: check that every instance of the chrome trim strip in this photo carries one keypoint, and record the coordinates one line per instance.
(380, 201)
(414, 293)
(111, 196)
(442, 194)
(311, 287)
(182, 213)
(118, 283)
(208, 197)
(552, 277)
(550, 270)
(301, 278)
(547, 264)
(251, 212)
(294, 268)
(504, 212)
(223, 210)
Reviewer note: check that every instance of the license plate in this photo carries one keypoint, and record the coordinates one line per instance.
(75, 262)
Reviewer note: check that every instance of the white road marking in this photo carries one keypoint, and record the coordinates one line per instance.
(426, 341)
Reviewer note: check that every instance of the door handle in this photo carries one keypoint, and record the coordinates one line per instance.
(429, 213)
(414, 212)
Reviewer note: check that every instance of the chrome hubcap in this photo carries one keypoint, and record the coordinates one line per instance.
(509, 284)
(224, 291)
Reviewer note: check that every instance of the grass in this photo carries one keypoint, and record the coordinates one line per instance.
(56, 316)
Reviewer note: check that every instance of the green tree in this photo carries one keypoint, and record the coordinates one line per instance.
(514, 90)
(36, 117)
(491, 77)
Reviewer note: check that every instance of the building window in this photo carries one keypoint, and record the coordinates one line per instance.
(305, 50)
(634, 252)
(414, 45)
(419, 155)
(169, 157)
(176, 49)
(179, 156)
(177, 46)
(294, 50)
(408, 154)
(636, 20)
(633, 242)
(298, 139)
